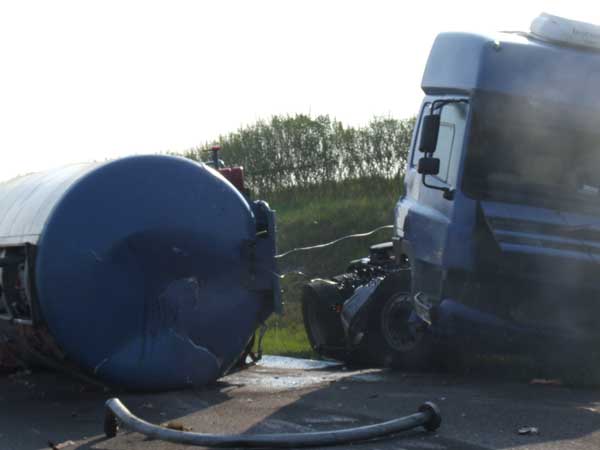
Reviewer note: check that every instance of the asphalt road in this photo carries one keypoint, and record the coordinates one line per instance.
(284, 395)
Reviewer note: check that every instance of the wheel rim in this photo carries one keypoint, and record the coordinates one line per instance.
(399, 332)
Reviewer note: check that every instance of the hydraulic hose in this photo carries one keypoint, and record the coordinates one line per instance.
(428, 416)
(328, 244)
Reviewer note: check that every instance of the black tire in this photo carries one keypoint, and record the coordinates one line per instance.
(391, 340)
(321, 321)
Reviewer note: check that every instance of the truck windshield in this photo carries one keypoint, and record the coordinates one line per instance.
(534, 153)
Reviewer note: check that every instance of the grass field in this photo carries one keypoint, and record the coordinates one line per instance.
(316, 215)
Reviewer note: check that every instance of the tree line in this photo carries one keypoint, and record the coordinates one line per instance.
(299, 150)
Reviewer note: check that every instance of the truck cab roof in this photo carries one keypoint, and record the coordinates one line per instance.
(512, 63)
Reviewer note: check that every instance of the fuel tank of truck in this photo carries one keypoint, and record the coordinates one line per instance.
(148, 272)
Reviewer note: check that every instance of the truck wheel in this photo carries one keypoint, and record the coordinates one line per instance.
(396, 337)
(321, 320)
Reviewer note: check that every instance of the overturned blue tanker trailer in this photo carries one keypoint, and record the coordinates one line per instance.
(148, 272)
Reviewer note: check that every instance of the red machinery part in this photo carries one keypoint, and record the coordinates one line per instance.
(235, 175)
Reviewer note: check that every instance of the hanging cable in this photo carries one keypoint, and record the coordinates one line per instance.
(327, 244)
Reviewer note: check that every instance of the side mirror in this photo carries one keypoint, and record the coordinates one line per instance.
(430, 130)
(428, 166)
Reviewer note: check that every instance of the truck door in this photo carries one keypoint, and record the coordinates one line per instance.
(423, 216)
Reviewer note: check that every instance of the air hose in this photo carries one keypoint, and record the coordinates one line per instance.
(428, 416)
(328, 244)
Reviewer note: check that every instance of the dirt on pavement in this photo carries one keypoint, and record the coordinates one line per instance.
(287, 395)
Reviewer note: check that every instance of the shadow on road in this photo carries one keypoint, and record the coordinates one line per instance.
(46, 407)
(483, 408)
(480, 409)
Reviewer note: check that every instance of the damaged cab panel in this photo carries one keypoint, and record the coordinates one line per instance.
(498, 230)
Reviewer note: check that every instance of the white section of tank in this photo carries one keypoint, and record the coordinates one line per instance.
(572, 32)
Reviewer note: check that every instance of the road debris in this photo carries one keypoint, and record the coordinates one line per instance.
(60, 446)
(118, 416)
(546, 381)
(530, 431)
(177, 426)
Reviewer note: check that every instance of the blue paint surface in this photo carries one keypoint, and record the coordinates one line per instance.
(470, 238)
(512, 64)
(141, 272)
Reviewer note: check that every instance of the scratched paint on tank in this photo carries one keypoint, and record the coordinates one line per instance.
(140, 271)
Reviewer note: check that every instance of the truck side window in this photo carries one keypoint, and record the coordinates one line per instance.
(415, 153)
(450, 140)
(443, 151)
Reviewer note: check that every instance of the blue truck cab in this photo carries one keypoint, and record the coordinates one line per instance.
(496, 238)
(510, 223)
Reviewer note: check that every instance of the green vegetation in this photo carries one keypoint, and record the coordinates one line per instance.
(286, 335)
(300, 151)
(325, 180)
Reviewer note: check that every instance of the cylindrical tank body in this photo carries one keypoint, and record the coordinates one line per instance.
(139, 269)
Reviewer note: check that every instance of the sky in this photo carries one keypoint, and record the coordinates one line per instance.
(92, 80)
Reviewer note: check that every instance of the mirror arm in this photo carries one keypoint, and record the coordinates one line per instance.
(438, 104)
(448, 193)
